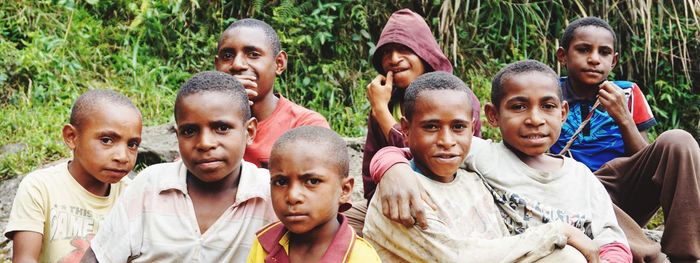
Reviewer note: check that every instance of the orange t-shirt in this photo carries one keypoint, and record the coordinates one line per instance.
(286, 116)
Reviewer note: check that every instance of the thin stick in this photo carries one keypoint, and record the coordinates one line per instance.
(580, 127)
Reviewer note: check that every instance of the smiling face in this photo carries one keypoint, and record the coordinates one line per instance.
(405, 64)
(440, 132)
(246, 51)
(590, 56)
(105, 144)
(212, 135)
(307, 187)
(530, 113)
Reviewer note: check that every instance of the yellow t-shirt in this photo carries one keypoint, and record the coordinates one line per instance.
(51, 202)
(360, 250)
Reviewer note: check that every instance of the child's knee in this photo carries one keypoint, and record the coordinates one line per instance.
(677, 140)
(566, 254)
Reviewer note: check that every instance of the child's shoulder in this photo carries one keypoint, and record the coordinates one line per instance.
(300, 115)
(48, 175)
(362, 251)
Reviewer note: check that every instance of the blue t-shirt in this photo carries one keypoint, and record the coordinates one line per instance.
(601, 141)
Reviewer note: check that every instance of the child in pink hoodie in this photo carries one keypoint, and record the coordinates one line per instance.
(406, 50)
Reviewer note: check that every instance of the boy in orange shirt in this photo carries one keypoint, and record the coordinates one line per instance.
(249, 49)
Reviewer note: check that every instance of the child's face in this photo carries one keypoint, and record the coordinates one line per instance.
(440, 132)
(306, 187)
(245, 53)
(106, 143)
(212, 136)
(590, 56)
(530, 114)
(405, 64)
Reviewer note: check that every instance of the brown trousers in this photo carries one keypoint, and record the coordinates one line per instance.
(664, 174)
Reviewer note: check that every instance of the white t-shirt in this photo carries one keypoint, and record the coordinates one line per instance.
(155, 220)
(529, 197)
(51, 202)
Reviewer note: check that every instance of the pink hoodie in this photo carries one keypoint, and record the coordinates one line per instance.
(409, 29)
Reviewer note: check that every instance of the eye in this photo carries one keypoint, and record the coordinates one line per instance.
(583, 49)
(430, 127)
(606, 52)
(280, 181)
(254, 54)
(187, 131)
(226, 55)
(313, 181)
(134, 145)
(518, 107)
(106, 140)
(222, 128)
(549, 106)
(459, 127)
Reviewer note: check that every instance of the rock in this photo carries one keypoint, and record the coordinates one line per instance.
(158, 145)
(12, 148)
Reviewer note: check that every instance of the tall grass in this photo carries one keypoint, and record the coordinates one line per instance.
(51, 51)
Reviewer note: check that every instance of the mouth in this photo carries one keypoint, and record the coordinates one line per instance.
(447, 157)
(117, 172)
(206, 164)
(291, 217)
(593, 71)
(398, 70)
(536, 138)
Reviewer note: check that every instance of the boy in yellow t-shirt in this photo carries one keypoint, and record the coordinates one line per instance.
(309, 184)
(58, 209)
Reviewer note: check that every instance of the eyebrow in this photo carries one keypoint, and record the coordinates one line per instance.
(109, 133)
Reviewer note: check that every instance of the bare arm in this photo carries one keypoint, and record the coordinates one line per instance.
(379, 95)
(26, 246)
(613, 99)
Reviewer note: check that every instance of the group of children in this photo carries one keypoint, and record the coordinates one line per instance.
(471, 199)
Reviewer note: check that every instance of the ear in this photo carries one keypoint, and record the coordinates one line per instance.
(616, 59)
(70, 135)
(251, 129)
(561, 56)
(281, 62)
(564, 111)
(404, 126)
(346, 186)
(491, 114)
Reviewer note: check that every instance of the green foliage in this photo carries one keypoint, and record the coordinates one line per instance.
(51, 51)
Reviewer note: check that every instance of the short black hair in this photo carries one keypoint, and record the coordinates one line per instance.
(270, 33)
(520, 67)
(323, 141)
(214, 81)
(436, 80)
(583, 22)
(86, 103)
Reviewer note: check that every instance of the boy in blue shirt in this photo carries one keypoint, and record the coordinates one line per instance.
(639, 176)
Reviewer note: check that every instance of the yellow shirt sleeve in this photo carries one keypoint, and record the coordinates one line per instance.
(363, 252)
(257, 253)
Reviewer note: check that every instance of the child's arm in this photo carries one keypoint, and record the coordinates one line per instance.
(26, 246)
(613, 99)
(379, 95)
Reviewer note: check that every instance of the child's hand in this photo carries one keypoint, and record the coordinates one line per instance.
(247, 81)
(251, 94)
(582, 243)
(379, 91)
(614, 101)
(402, 197)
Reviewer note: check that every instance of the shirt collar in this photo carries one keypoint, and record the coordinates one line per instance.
(568, 93)
(274, 238)
(254, 182)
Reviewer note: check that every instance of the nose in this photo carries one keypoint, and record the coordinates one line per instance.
(535, 118)
(238, 64)
(295, 194)
(394, 57)
(446, 139)
(594, 58)
(206, 140)
(121, 154)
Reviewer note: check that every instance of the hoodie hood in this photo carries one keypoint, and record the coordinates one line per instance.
(410, 29)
